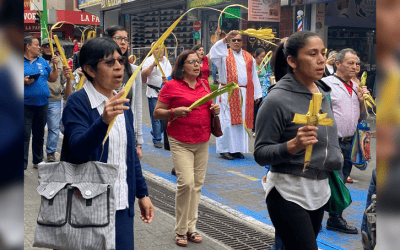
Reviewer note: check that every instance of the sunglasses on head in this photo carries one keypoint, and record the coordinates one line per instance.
(236, 40)
(193, 61)
(111, 61)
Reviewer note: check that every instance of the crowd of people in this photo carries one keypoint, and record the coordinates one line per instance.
(300, 65)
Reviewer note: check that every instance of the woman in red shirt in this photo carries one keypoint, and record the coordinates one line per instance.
(205, 61)
(188, 134)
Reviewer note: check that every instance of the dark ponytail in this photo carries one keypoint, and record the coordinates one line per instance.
(295, 42)
(280, 64)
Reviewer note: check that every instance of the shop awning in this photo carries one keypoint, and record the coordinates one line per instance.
(77, 17)
(29, 16)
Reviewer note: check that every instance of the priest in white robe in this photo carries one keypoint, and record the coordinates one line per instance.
(235, 65)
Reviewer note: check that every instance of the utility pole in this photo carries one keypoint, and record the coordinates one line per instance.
(43, 21)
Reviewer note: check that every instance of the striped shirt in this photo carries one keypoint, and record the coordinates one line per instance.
(346, 106)
(117, 146)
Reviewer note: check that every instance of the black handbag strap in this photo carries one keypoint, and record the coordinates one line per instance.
(343, 81)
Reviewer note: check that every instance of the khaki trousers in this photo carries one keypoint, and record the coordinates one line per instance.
(190, 163)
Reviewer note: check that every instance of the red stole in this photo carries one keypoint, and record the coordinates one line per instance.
(234, 103)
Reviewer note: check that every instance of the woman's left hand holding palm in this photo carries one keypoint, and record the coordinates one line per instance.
(215, 109)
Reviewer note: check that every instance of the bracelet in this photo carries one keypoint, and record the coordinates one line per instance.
(172, 114)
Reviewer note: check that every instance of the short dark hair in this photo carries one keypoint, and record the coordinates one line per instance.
(95, 49)
(28, 41)
(293, 44)
(110, 32)
(197, 47)
(258, 52)
(177, 71)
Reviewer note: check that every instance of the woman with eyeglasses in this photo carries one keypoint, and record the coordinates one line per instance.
(120, 36)
(86, 118)
(205, 61)
(188, 134)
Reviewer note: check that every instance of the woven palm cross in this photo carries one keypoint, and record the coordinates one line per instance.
(314, 118)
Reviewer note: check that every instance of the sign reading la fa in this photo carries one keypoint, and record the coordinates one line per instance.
(86, 18)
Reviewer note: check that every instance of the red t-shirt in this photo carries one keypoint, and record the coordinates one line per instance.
(196, 126)
(348, 88)
(76, 48)
(205, 69)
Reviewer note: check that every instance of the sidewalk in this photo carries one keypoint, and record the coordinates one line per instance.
(157, 235)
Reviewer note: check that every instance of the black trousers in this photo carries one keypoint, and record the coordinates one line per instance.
(35, 118)
(297, 227)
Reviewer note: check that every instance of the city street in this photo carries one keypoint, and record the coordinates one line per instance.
(231, 187)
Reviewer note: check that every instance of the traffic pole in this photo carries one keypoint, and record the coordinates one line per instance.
(43, 21)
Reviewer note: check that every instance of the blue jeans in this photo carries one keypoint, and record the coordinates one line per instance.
(214, 72)
(155, 124)
(347, 165)
(53, 126)
(371, 191)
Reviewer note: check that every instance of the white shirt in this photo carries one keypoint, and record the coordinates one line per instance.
(346, 107)
(116, 148)
(218, 55)
(155, 77)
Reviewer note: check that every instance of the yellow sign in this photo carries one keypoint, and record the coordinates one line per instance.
(88, 3)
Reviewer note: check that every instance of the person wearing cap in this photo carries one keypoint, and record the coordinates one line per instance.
(59, 90)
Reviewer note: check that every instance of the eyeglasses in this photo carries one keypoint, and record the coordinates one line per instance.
(46, 46)
(236, 40)
(111, 61)
(119, 39)
(193, 61)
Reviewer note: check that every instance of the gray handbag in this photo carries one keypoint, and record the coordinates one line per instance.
(77, 209)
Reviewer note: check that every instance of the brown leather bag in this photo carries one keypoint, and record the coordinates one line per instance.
(215, 123)
(216, 126)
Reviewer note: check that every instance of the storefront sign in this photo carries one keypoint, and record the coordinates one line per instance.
(88, 3)
(353, 13)
(27, 5)
(201, 3)
(29, 16)
(31, 27)
(264, 10)
(197, 25)
(77, 17)
(110, 3)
